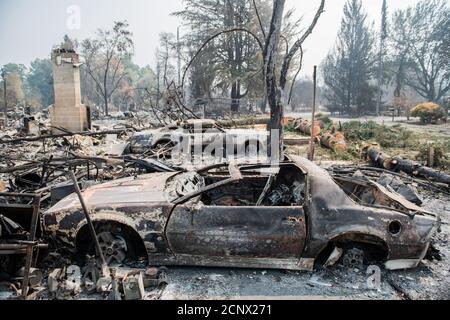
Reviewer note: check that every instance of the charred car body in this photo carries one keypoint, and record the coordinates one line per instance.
(253, 216)
(202, 134)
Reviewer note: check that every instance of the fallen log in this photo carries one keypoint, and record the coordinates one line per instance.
(413, 168)
(296, 141)
(335, 142)
(380, 159)
(306, 127)
(329, 139)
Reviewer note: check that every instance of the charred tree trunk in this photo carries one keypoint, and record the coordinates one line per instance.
(105, 89)
(235, 96)
(398, 164)
(106, 106)
(5, 100)
(264, 104)
(273, 89)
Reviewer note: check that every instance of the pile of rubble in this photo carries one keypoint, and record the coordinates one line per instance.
(35, 169)
(39, 164)
(71, 282)
(38, 169)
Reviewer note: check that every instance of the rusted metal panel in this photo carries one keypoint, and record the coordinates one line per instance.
(332, 214)
(252, 232)
(141, 204)
(146, 189)
(237, 262)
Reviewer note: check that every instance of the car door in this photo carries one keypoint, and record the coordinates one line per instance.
(237, 236)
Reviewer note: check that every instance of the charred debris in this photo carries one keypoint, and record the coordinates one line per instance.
(39, 169)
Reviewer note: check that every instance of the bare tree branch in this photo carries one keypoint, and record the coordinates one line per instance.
(212, 38)
(296, 75)
(288, 58)
(259, 19)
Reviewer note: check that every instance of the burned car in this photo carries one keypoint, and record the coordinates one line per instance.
(291, 216)
(200, 133)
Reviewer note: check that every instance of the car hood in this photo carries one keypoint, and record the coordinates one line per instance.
(145, 189)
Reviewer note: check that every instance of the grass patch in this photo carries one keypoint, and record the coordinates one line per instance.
(385, 136)
(290, 127)
(394, 140)
(441, 158)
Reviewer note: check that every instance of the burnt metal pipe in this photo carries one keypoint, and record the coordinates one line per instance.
(105, 269)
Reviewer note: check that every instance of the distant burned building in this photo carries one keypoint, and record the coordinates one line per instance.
(68, 112)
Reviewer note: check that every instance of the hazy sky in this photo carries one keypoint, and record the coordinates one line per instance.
(29, 28)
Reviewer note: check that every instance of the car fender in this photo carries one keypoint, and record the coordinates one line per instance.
(109, 216)
(348, 231)
(360, 230)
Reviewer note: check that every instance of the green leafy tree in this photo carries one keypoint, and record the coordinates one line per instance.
(40, 80)
(349, 68)
(420, 48)
(229, 61)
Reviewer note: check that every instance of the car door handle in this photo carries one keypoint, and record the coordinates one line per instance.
(292, 221)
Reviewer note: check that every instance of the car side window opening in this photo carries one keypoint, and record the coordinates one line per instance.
(365, 193)
(285, 189)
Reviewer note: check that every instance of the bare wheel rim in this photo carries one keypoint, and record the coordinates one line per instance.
(354, 259)
(163, 150)
(114, 247)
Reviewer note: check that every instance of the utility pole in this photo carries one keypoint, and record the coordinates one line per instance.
(383, 36)
(313, 120)
(179, 56)
(158, 89)
(5, 102)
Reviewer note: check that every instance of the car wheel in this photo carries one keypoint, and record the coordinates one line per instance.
(116, 243)
(353, 258)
